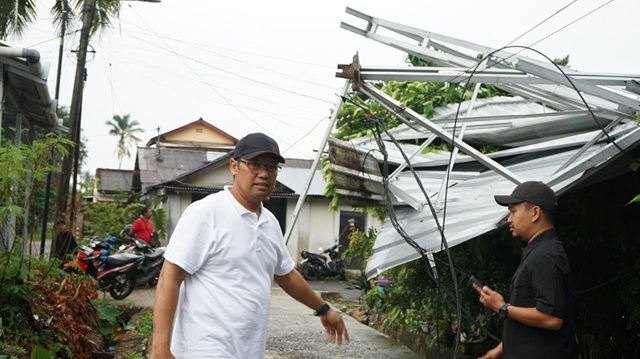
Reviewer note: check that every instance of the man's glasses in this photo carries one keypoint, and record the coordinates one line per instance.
(256, 167)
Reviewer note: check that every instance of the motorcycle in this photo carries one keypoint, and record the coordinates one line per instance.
(316, 265)
(115, 273)
(149, 271)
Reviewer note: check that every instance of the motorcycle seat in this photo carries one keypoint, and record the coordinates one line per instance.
(120, 259)
(157, 253)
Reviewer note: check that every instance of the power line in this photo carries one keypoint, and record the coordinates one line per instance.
(540, 23)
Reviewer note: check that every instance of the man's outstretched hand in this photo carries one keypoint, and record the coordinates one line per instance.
(334, 327)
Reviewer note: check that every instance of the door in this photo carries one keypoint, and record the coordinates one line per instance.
(350, 221)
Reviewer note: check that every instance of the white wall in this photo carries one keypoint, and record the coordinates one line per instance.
(299, 239)
(176, 204)
(321, 224)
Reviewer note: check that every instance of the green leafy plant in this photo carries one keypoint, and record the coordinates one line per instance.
(134, 356)
(42, 353)
(145, 327)
(44, 311)
(108, 316)
(360, 245)
(102, 219)
(635, 199)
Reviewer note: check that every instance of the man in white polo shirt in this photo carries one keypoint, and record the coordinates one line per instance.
(225, 253)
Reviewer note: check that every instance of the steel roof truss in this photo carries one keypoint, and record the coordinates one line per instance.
(383, 98)
(596, 159)
(555, 76)
(586, 146)
(490, 76)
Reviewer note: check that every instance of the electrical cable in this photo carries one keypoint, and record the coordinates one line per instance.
(207, 64)
(462, 74)
(541, 22)
(488, 56)
(205, 46)
(305, 135)
(573, 22)
(568, 78)
(173, 70)
(381, 145)
(416, 246)
(391, 214)
(182, 58)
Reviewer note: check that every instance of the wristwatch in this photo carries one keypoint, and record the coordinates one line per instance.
(323, 310)
(504, 310)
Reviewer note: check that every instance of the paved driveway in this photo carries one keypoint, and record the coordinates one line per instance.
(295, 334)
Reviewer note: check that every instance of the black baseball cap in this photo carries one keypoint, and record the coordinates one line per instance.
(256, 144)
(533, 192)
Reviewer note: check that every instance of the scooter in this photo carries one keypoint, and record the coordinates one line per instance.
(316, 265)
(149, 271)
(115, 273)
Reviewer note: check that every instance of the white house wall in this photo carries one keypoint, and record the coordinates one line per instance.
(176, 205)
(314, 227)
(299, 239)
(217, 178)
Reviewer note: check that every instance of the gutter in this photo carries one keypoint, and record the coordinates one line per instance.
(32, 56)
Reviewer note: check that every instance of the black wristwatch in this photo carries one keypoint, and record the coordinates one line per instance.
(323, 310)
(504, 310)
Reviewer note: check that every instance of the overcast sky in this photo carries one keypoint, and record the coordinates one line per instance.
(269, 66)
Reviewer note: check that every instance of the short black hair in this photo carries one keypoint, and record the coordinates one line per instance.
(550, 216)
(62, 221)
(144, 210)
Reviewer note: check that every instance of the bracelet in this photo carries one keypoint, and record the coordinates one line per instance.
(323, 310)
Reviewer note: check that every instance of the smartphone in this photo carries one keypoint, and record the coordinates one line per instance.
(475, 280)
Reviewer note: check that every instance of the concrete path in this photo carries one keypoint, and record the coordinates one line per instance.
(295, 334)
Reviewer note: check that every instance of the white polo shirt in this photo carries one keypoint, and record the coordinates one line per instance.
(231, 256)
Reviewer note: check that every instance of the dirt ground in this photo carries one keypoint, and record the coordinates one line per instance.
(131, 342)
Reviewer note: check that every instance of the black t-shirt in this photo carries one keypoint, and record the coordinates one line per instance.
(543, 281)
(65, 244)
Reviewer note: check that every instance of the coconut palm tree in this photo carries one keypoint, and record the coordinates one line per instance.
(125, 129)
(16, 15)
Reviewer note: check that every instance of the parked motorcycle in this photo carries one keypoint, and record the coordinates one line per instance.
(115, 273)
(149, 271)
(316, 265)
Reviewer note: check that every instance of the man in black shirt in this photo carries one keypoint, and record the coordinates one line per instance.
(538, 316)
(65, 241)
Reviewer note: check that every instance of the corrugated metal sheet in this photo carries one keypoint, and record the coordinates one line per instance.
(545, 133)
(471, 209)
(110, 180)
(290, 181)
(295, 173)
(167, 164)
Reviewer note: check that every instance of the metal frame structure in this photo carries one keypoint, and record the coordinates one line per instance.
(547, 131)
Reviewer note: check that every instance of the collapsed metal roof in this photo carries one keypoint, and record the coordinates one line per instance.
(545, 133)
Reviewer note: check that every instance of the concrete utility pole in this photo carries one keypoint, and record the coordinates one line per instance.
(45, 216)
(75, 111)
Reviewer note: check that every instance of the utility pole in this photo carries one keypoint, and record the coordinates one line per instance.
(45, 215)
(75, 112)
